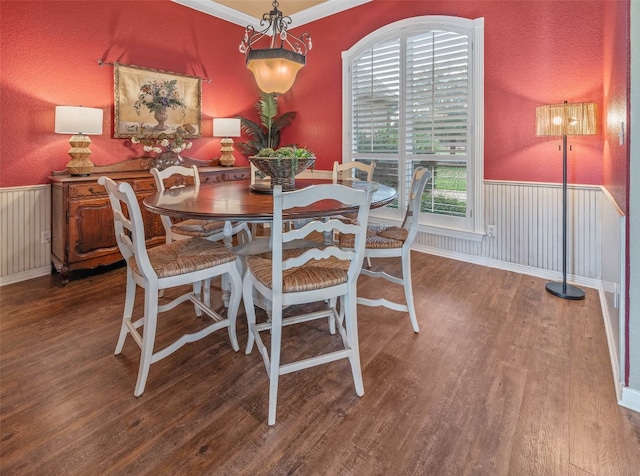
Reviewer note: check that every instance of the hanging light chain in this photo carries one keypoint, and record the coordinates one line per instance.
(275, 25)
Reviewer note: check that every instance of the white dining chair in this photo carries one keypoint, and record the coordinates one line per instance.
(349, 171)
(388, 241)
(212, 230)
(264, 181)
(288, 277)
(183, 262)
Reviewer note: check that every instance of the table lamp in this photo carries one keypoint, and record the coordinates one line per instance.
(563, 120)
(81, 122)
(226, 128)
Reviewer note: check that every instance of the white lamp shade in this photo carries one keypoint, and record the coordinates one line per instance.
(226, 127)
(78, 120)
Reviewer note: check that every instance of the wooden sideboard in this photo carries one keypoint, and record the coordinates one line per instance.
(82, 219)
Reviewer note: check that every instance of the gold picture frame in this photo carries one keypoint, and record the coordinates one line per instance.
(151, 101)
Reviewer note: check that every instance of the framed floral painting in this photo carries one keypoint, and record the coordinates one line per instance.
(152, 102)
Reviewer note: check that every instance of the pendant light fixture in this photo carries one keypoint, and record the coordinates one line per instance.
(275, 68)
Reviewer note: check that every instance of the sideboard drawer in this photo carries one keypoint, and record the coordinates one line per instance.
(242, 174)
(149, 184)
(84, 190)
(144, 185)
(212, 178)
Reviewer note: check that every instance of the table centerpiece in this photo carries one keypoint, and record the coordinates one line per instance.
(283, 164)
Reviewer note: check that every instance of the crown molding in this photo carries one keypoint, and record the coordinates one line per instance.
(219, 11)
(322, 10)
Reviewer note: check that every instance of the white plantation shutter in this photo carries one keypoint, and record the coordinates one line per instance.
(376, 98)
(411, 100)
(437, 93)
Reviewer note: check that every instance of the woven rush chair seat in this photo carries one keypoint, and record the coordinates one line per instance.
(193, 227)
(379, 236)
(347, 217)
(312, 275)
(185, 256)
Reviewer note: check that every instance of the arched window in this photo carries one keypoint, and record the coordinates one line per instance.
(413, 96)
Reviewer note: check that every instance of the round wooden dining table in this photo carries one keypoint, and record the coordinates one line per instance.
(235, 201)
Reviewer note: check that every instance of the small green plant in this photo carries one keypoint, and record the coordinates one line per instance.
(288, 152)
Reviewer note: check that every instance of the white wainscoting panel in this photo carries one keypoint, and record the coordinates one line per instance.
(612, 284)
(25, 214)
(528, 221)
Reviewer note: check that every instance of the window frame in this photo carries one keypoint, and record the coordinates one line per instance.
(473, 226)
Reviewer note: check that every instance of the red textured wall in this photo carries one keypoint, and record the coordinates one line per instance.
(530, 60)
(616, 85)
(48, 53)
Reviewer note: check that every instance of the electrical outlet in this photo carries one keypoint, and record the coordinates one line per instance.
(491, 230)
(46, 237)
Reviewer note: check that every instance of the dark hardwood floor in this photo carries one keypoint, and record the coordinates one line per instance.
(502, 379)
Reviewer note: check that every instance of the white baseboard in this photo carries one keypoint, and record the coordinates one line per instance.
(630, 399)
(615, 366)
(23, 276)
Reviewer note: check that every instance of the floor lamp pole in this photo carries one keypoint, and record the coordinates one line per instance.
(564, 290)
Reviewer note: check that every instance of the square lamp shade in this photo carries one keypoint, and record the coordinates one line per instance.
(80, 122)
(226, 128)
(566, 119)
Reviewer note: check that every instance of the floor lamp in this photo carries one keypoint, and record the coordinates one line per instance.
(563, 120)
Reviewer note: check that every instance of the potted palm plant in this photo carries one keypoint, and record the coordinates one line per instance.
(266, 133)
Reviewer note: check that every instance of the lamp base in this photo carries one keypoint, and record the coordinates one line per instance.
(80, 165)
(227, 159)
(565, 291)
